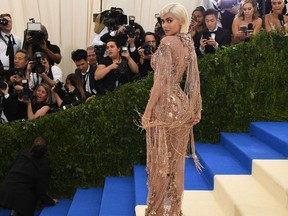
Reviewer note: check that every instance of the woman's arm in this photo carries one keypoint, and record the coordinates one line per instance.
(41, 112)
(258, 26)
(267, 24)
(102, 70)
(132, 65)
(59, 101)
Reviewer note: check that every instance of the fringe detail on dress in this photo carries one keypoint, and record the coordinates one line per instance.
(197, 163)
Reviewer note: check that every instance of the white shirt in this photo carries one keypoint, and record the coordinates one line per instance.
(96, 40)
(35, 79)
(87, 81)
(3, 48)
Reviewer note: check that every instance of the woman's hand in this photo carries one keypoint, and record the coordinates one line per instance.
(146, 118)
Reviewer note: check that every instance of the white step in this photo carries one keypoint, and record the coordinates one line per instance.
(195, 203)
(264, 193)
(242, 195)
(273, 175)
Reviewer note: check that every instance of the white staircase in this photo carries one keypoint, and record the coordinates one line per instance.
(264, 193)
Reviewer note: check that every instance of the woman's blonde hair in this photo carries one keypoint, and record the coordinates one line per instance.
(179, 11)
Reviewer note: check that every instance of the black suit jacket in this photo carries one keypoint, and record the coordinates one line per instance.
(95, 85)
(222, 37)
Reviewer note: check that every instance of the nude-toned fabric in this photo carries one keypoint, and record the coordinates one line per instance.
(169, 129)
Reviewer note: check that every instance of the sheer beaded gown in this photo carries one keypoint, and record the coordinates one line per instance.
(169, 129)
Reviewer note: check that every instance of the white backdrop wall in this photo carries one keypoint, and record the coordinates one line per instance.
(70, 22)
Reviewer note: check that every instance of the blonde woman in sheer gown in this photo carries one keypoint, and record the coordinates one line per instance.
(171, 113)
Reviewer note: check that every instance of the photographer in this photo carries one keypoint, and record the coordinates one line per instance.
(145, 53)
(9, 44)
(71, 94)
(40, 71)
(247, 22)
(117, 68)
(37, 41)
(86, 72)
(132, 36)
(39, 104)
(12, 90)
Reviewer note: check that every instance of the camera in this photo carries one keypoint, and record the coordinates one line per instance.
(100, 51)
(19, 71)
(206, 35)
(3, 85)
(194, 18)
(148, 50)
(34, 30)
(36, 65)
(25, 94)
(130, 29)
(3, 21)
(123, 67)
(113, 18)
(60, 88)
(75, 103)
(159, 31)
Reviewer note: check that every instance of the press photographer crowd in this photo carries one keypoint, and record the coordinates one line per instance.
(32, 85)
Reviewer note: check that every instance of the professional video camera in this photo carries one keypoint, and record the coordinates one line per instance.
(25, 94)
(113, 18)
(34, 30)
(4, 21)
(158, 27)
(37, 66)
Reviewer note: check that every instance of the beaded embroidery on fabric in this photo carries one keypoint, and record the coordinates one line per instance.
(171, 126)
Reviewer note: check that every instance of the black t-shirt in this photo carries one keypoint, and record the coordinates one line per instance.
(115, 77)
(52, 47)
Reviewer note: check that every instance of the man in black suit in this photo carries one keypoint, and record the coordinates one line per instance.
(86, 72)
(213, 37)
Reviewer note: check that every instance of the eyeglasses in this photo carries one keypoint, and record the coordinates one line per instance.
(279, 3)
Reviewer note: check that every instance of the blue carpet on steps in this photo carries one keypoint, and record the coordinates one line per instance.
(193, 181)
(140, 180)
(118, 197)
(86, 202)
(274, 134)
(218, 160)
(246, 148)
(60, 209)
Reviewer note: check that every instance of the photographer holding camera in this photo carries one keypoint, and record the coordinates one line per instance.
(9, 44)
(39, 103)
(15, 88)
(37, 41)
(40, 71)
(70, 94)
(117, 67)
(145, 52)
